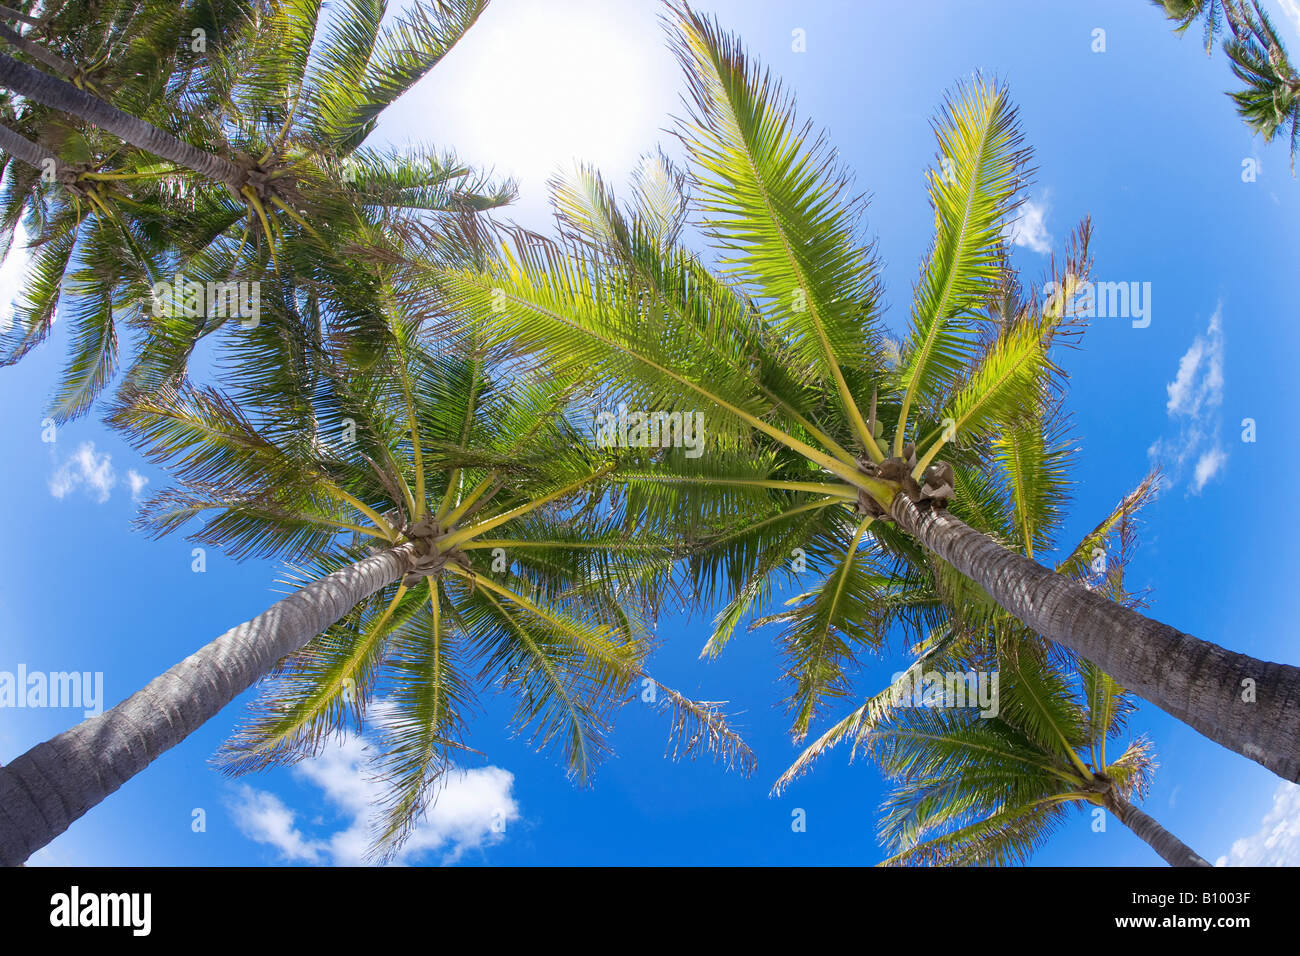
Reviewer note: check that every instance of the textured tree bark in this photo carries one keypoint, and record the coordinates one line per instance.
(1247, 705)
(38, 52)
(20, 147)
(60, 95)
(9, 13)
(1171, 849)
(57, 781)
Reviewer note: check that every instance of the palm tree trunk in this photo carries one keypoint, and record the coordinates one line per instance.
(46, 789)
(20, 147)
(9, 13)
(60, 95)
(38, 52)
(1247, 705)
(1171, 849)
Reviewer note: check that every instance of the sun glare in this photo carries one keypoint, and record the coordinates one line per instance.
(537, 85)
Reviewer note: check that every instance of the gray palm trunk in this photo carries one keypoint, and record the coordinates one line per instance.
(1248, 705)
(46, 789)
(37, 52)
(9, 13)
(1171, 849)
(20, 147)
(57, 94)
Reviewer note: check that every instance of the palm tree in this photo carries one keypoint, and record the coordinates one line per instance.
(1269, 101)
(442, 513)
(1019, 502)
(789, 346)
(980, 789)
(1186, 12)
(1013, 487)
(290, 108)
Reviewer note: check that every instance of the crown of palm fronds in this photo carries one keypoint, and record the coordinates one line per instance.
(283, 90)
(785, 354)
(521, 582)
(1270, 99)
(980, 789)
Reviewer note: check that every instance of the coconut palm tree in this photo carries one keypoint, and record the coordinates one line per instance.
(984, 789)
(443, 515)
(1186, 12)
(282, 98)
(1022, 503)
(119, 49)
(789, 346)
(1014, 486)
(1269, 101)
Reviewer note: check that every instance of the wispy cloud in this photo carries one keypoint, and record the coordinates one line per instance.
(137, 482)
(1029, 228)
(263, 818)
(13, 276)
(470, 812)
(1207, 466)
(1195, 398)
(1277, 841)
(85, 469)
(1291, 8)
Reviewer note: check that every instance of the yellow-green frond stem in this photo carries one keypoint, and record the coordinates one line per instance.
(417, 453)
(512, 543)
(114, 177)
(260, 210)
(1006, 379)
(293, 214)
(788, 513)
(385, 529)
(593, 641)
(473, 531)
(299, 718)
(467, 502)
(453, 481)
(818, 488)
(831, 445)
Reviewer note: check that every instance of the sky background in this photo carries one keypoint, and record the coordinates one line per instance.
(1140, 137)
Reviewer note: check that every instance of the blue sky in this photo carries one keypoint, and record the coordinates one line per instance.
(1139, 136)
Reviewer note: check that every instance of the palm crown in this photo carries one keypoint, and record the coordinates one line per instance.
(515, 584)
(977, 789)
(285, 101)
(786, 344)
(1269, 100)
(807, 412)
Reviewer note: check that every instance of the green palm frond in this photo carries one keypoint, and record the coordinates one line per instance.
(973, 193)
(777, 205)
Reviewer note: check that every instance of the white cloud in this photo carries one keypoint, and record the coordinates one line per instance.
(13, 276)
(1207, 466)
(1195, 397)
(1199, 383)
(1277, 841)
(469, 813)
(1029, 229)
(1291, 9)
(263, 818)
(85, 469)
(137, 482)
